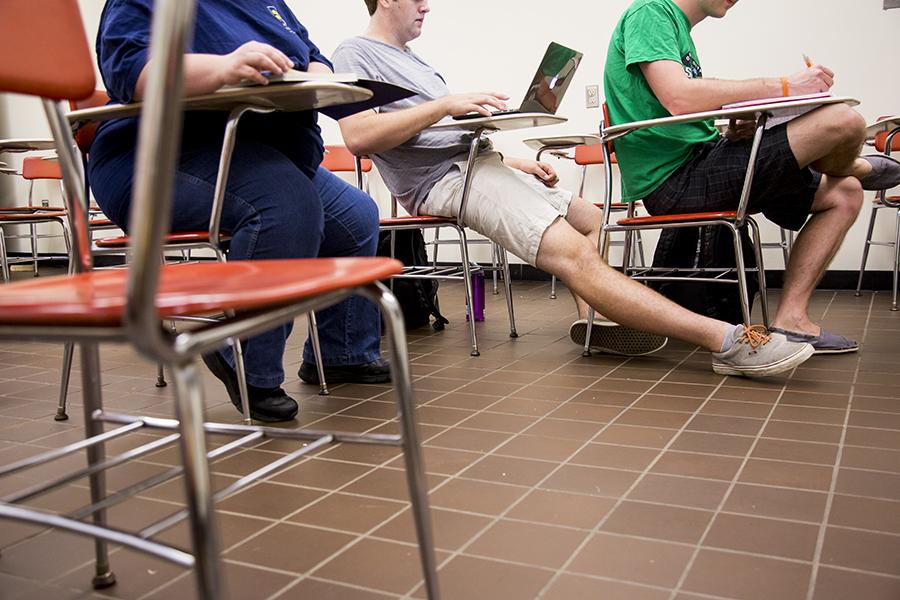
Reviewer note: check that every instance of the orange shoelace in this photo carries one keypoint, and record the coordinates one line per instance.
(755, 335)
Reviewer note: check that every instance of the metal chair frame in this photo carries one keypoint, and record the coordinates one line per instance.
(140, 326)
(466, 268)
(734, 222)
(31, 215)
(882, 200)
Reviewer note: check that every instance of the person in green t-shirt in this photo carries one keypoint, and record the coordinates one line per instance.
(809, 173)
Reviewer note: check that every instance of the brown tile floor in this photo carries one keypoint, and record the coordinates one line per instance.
(553, 476)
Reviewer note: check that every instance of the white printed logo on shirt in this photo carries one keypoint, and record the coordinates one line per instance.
(277, 15)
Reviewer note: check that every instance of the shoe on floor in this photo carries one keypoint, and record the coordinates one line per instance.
(377, 371)
(270, 405)
(756, 352)
(885, 173)
(824, 343)
(612, 338)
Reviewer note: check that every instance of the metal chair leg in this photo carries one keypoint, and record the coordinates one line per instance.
(866, 246)
(34, 249)
(741, 274)
(504, 263)
(896, 263)
(553, 287)
(68, 351)
(90, 378)
(198, 490)
(238, 353)
(639, 249)
(415, 471)
(4, 259)
(495, 260)
(785, 251)
(467, 284)
(760, 271)
(160, 370)
(317, 353)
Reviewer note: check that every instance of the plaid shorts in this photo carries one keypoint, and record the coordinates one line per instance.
(713, 179)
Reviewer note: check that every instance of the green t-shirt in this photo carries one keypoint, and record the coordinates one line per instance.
(650, 30)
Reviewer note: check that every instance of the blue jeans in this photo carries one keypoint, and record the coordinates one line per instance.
(273, 210)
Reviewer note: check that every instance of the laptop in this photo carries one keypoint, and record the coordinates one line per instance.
(549, 85)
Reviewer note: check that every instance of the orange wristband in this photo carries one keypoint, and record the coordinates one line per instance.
(784, 87)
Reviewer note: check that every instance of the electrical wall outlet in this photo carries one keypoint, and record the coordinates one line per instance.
(592, 96)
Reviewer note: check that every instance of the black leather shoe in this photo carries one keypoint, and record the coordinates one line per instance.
(377, 371)
(270, 405)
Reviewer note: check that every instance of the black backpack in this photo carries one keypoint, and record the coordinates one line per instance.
(417, 297)
(707, 247)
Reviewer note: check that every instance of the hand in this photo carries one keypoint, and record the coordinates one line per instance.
(463, 104)
(541, 170)
(249, 61)
(740, 129)
(810, 81)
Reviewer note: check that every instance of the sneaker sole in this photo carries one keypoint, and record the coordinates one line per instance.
(331, 378)
(612, 338)
(785, 364)
(837, 351)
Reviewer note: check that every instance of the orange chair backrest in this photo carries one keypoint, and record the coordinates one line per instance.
(339, 160)
(43, 54)
(607, 123)
(35, 167)
(591, 155)
(84, 135)
(881, 141)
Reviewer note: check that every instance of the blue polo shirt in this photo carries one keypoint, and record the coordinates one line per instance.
(221, 27)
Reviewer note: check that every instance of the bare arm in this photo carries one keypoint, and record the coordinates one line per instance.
(680, 95)
(205, 73)
(371, 132)
(541, 170)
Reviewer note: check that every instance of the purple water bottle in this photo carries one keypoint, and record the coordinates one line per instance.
(477, 296)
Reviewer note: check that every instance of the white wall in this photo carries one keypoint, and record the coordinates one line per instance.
(496, 44)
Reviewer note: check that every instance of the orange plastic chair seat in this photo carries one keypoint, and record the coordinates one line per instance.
(101, 223)
(728, 215)
(98, 298)
(592, 155)
(28, 217)
(188, 237)
(614, 205)
(338, 159)
(32, 209)
(881, 141)
(418, 221)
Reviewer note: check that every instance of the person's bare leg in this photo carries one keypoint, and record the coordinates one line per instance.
(586, 219)
(834, 210)
(829, 140)
(572, 257)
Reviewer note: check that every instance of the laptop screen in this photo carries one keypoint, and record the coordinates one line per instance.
(551, 80)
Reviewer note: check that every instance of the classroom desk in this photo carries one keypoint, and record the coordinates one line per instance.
(25, 145)
(305, 95)
(560, 142)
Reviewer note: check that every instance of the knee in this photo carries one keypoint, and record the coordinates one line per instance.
(848, 197)
(846, 125)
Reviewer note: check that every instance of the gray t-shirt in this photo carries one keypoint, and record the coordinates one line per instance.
(412, 168)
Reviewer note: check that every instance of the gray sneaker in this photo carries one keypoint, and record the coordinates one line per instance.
(885, 172)
(758, 353)
(824, 343)
(612, 338)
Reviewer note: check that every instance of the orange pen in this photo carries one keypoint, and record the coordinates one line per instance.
(808, 62)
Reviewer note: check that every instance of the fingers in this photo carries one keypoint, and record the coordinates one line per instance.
(277, 59)
(249, 73)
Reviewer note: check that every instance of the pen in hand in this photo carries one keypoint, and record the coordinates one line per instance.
(808, 61)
